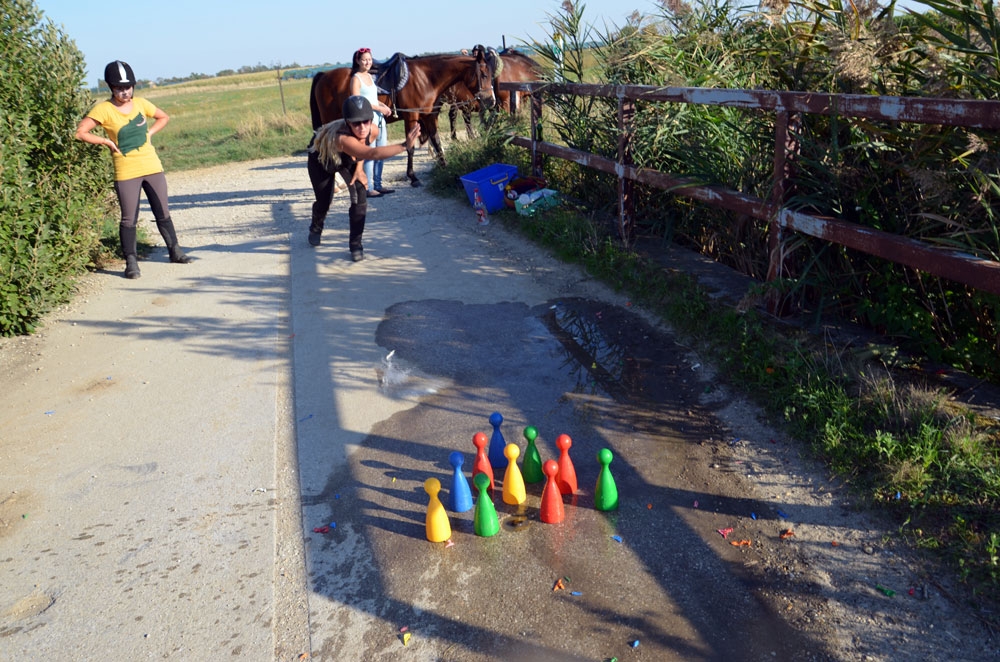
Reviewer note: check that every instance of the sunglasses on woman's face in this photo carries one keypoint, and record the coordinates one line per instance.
(361, 123)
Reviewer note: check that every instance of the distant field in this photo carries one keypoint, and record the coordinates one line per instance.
(233, 118)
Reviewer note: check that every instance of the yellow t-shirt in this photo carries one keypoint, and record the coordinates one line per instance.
(129, 131)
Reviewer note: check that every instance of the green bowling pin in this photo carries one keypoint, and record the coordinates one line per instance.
(485, 520)
(606, 492)
(531, 467)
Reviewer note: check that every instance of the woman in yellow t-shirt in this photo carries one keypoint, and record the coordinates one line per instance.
(125, 121)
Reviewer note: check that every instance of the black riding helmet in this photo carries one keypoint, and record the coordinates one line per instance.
(358, 109)
(119, 74)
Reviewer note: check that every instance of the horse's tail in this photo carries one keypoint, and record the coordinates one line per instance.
(313, 104)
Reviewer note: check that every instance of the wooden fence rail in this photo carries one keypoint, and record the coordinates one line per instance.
(979, 273)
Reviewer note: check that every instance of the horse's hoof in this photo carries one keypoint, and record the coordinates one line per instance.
(415, 183)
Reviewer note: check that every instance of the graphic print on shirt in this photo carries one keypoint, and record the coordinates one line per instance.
(132, 136)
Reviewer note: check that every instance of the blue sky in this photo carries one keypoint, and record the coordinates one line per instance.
(177, 38)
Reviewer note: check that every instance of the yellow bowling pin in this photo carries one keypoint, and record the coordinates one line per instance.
(438, 526)
(513, 481)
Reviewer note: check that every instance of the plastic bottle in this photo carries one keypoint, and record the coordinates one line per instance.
(482, 215)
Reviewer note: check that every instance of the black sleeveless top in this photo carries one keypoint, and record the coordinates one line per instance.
(348, 162)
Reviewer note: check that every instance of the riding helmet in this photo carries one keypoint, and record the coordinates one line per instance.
(358, 109)
(119, 74)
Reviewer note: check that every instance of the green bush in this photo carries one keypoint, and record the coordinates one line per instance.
(53, 189)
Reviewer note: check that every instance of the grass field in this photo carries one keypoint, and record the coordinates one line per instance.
(235, 118)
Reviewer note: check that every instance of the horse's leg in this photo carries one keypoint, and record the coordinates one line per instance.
(436, 144)
(467, 116)
(409, 168)
(452, 112)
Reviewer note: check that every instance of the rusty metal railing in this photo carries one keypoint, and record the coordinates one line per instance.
(979, 273)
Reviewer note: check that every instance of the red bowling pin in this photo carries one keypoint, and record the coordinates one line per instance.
(482, 464)
(551, 510)
(566, 478)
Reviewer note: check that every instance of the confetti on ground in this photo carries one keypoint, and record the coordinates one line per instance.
(740, 543)
(306, 418)
(753, 515)
(635, 644)
(725, 532)
(450, 543)
(787, 533)
(888, 592)
(577, 593)
(834, 543)
(404, 628)
(406, 638)
(781, 514)
(695, 504)
(321, 529)
(558, 585)
(616, 538)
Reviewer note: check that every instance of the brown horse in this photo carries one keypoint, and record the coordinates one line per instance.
(516, 68)
(414, 91)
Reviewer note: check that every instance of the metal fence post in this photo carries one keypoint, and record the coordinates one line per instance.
(626, 187)
(786, 146)
(536, 133)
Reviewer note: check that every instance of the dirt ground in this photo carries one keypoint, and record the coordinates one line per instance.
(730, 541)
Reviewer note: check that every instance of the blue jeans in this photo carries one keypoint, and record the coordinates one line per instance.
(373, 169)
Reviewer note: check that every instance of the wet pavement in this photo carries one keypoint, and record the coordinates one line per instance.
(585, 368)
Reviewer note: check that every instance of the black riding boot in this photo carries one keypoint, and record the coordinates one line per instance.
(127, 237)
(316, 230)
(356, 218)
(166, 228)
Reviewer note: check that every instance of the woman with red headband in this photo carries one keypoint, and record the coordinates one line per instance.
(362, 84)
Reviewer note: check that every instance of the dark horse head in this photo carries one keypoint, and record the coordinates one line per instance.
(481, 82)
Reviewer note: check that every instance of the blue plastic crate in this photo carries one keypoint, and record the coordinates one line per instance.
(490, 181)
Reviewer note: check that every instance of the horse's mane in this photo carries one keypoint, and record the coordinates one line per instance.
(494, 61)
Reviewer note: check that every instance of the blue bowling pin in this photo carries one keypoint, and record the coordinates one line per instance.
(461, 494)
(497, 459)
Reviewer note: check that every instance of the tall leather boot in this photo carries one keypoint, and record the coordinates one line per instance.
(316, 229)
(356, 221)
(127, 237)
(166, 228)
